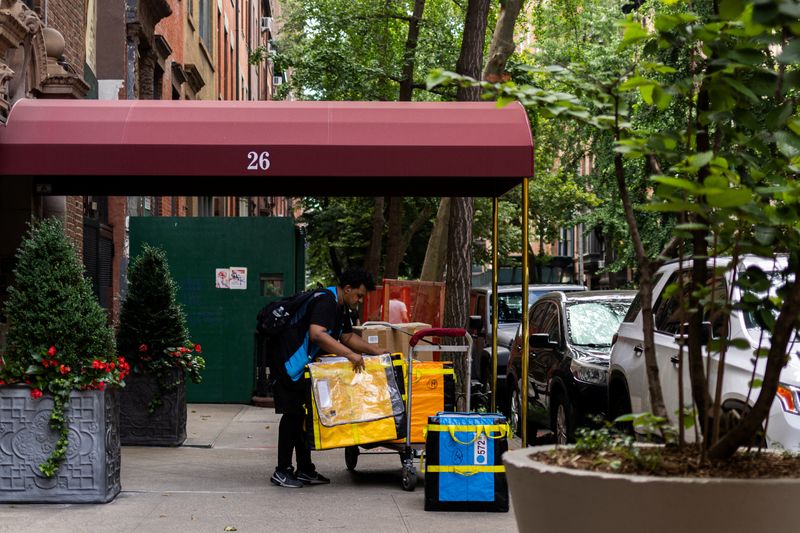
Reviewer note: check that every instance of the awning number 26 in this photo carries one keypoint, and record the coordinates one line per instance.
(258, 161)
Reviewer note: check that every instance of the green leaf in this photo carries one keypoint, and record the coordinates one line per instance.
(691, 226)
(647, 93)
(778, 116)
(742, 89)
(794, 125)
(791, 53)
(740, 344)
(730, 198)
(756, 383)
(788, 143)
(437, 77)
(730, 9)
(636, 81)
(661, 97)
(698, 161)
(678, 183)
(634, 32)
(672, 207)
(32, 370)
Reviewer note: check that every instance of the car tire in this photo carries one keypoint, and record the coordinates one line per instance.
(619, 403)
(562, 419)
(732, 414)
(514, 416)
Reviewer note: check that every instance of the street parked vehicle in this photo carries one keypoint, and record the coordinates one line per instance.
(509, 301)
(569, 345)
(628, 389)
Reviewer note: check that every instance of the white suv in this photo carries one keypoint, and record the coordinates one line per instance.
(628, 390)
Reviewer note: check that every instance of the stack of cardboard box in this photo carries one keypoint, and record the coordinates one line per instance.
(394, 338)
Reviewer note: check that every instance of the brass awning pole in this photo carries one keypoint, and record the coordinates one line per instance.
(525, 334)
(495, 277)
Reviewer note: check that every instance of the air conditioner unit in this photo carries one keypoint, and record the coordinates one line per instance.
(277, 80)
(266, 24)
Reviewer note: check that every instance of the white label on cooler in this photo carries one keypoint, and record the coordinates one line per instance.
(481, 450)
(372, 339)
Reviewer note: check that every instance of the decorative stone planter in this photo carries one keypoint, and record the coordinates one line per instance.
(91, 471)
(164, 427)
(551, 498)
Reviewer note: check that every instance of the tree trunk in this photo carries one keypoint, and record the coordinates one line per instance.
(470, 60)
(373, 260)
(502, 45)
(435, 255)
(645, 290)
(410, 52)
(391, 266)
(459, 272)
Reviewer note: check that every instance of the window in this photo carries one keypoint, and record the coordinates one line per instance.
(550, 323)
(565, 242)
(271, 285)
(668, 312)
(205, 22)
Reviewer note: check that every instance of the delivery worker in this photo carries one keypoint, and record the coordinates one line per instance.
(326, 329)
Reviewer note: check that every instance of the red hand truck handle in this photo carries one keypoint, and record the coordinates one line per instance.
(440, 332)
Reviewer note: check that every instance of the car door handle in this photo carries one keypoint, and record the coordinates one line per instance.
(638, 350)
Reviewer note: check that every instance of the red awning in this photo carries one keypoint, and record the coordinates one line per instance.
(287, 148)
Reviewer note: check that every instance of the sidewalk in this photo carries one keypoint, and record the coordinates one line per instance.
(220, 479)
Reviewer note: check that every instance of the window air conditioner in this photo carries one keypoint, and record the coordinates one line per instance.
(277, 80)
(266, 24)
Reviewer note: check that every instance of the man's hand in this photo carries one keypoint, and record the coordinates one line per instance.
(356, 360)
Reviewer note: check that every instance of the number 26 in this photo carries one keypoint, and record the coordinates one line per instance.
(258, 161)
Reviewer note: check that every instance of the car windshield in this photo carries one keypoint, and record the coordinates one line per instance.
(594, 323)
(510, 304)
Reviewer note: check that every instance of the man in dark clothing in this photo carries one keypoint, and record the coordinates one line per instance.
(327, 329)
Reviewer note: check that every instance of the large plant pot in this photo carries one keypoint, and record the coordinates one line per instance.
(91, 470)
(551, 498)
(166, 426)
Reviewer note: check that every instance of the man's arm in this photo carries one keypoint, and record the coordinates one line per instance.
(359, 345)
(319, 336)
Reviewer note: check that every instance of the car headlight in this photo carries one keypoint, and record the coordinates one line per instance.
(789, 396)
(588, 373)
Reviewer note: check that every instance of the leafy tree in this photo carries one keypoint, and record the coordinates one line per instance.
(51, 302)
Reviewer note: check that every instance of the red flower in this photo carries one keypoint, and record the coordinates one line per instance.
(36, 394)
(197, 348)
(64, 369)
(183, 350)
(2, 382)
(142, 347)
(52, 351)
(111, 366)
(101, 385)
(96, 364)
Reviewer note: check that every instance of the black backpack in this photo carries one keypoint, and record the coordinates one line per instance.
(280, 315)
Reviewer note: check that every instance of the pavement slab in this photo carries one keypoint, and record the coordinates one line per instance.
(220, 480)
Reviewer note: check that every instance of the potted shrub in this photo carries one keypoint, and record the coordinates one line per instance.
(59, 437)
(153, 337)
(700, 99)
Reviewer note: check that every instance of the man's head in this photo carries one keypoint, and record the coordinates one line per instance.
(354, 284)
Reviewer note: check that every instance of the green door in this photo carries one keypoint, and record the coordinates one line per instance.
(221, 320)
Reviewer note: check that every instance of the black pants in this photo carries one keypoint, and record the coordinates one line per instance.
(290, 399)
(291, 438)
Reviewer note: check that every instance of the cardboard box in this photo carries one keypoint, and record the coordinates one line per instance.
(378, 335)
(402, 336)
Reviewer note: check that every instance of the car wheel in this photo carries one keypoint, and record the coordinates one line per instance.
(619, 403)
(515, 411)
(732, 414)
(562, 419)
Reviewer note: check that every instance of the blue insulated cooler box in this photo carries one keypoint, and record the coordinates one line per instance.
(463, 462)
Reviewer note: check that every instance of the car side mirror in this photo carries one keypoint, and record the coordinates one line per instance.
(475, 324)
(541, 340)
(706, 335)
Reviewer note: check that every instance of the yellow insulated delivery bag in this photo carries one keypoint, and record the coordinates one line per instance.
(347, 408)
(432, 390)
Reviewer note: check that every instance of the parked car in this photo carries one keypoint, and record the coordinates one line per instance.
(509, 301)
(628, 389)
(570, 341)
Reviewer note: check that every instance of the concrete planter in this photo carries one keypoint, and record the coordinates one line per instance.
(91, 470)
(166, 426)
(550, 498)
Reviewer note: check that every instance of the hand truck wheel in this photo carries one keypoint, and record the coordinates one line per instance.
(351, 457)
(409, 478)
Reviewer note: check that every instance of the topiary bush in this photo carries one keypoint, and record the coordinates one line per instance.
(152, 331)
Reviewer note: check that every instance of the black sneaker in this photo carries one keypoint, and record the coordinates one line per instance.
(285, 478)
(314, 478)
